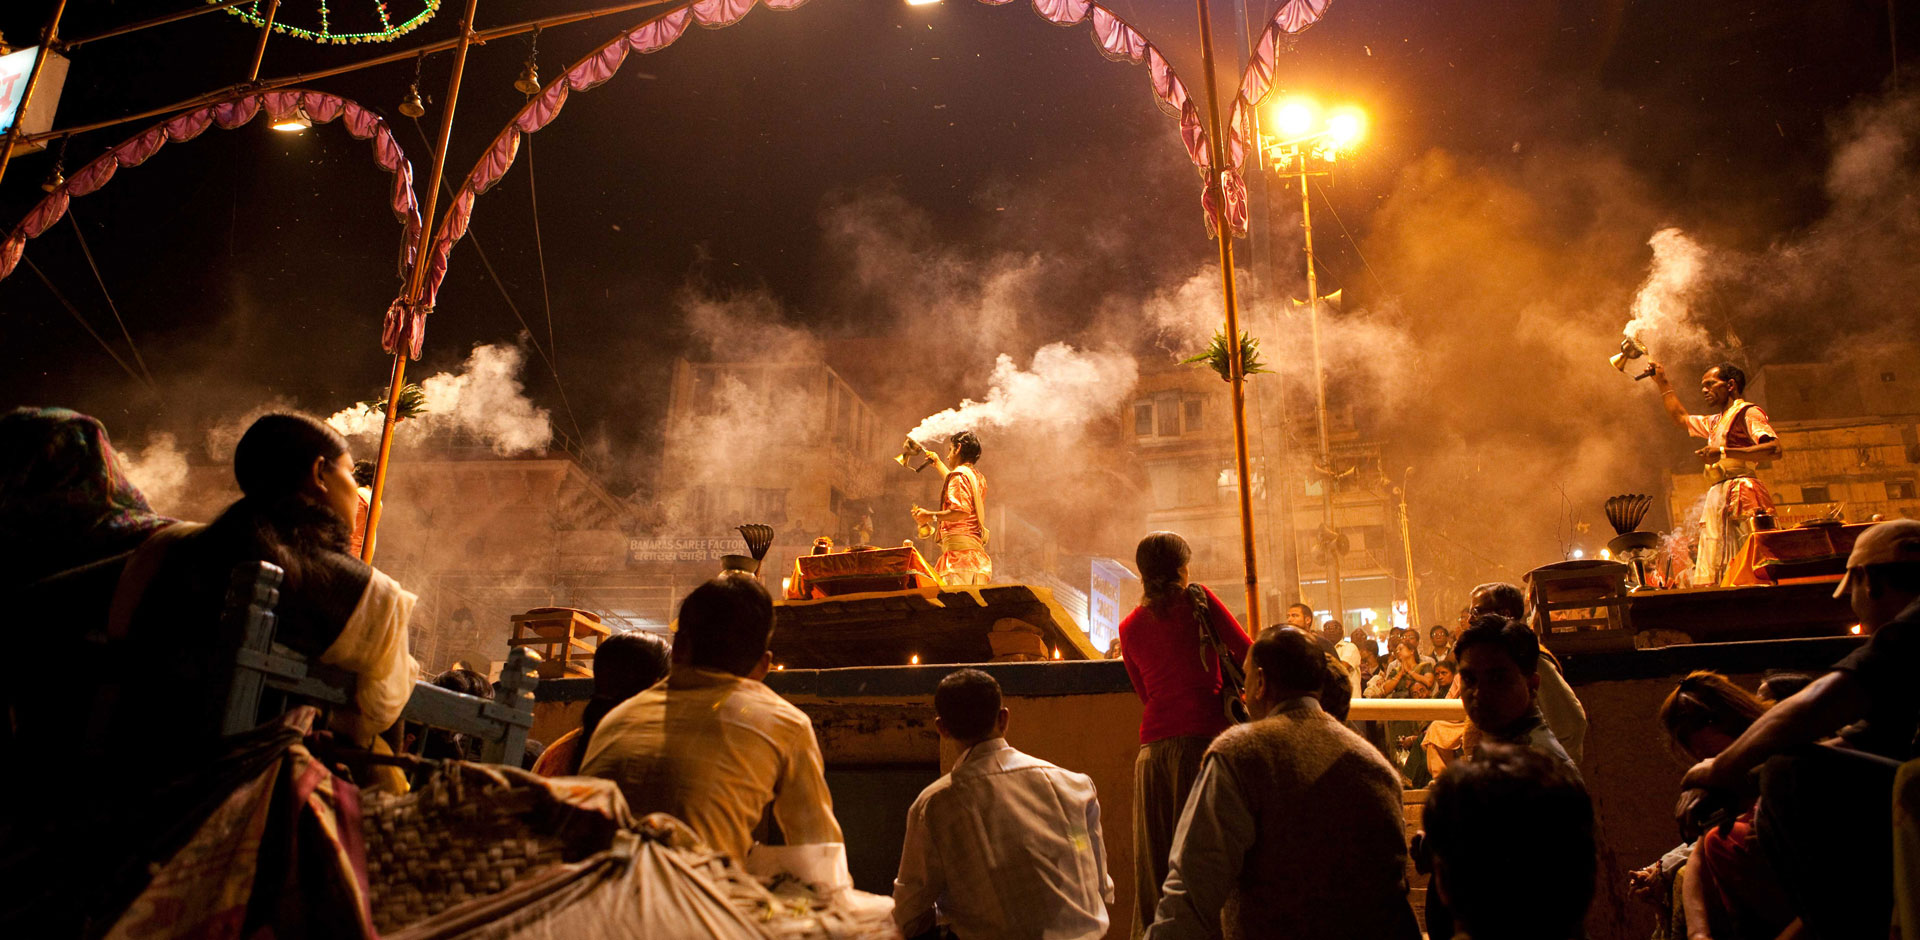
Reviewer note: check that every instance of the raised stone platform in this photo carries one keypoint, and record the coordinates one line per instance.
(991, 623)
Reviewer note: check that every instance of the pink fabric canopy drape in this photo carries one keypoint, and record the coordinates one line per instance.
(320, 107)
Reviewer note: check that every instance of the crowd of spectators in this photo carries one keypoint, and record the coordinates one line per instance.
(1285, 819)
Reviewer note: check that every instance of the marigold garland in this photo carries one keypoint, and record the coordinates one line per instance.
(390, 30)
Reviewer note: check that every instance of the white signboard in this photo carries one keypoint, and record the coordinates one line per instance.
(1108, 600)
(14, 71)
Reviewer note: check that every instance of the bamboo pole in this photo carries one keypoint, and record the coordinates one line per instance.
(266, 31)
(48, 37)
(418, 278)
(1216, 184)
(188, 13)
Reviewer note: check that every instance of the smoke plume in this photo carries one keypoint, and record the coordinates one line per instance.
(723, 434)
(483, 400)
(1062, 390)
(1662, 314)
(158, 470)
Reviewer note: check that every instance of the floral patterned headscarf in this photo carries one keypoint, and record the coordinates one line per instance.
(65, 499)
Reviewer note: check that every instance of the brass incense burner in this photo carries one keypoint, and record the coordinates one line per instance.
(1630, 349)
(910, 450)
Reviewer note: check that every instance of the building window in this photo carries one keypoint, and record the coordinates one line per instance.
(770, 506)
(1900, 489)
(1143, 419)
(1169, 417)
(1193, 413)
(1197, 485)
(1371, 538)
(1815, 493)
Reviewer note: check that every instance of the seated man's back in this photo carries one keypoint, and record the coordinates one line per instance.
(711, 745)
(714, 749)
(1007, 845)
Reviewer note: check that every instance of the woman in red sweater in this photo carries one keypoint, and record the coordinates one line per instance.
(1177, 677)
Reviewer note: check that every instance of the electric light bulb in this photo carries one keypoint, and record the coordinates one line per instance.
(1346, 127)
(1294, 118)
(293, 123)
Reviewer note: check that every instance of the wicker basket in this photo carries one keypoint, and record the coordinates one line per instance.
(471, 830)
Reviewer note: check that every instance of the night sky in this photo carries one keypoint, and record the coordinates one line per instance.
(249, 264)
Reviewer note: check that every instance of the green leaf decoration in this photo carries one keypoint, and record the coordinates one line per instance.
(413, 402)
(1217, 357)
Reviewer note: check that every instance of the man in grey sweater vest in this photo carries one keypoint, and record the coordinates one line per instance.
(1295, 827)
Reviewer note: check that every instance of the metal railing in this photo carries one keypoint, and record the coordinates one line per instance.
(1407, 709)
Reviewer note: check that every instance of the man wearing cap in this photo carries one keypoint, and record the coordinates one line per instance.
(1825, 811)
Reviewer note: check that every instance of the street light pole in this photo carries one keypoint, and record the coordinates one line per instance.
(1277, 424)
(1406, 548)
(1329, 536)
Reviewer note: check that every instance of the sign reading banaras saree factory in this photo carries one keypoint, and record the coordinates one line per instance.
(669, 549)
(14, 69)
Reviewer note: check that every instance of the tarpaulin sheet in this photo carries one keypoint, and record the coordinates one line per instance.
(659, 882)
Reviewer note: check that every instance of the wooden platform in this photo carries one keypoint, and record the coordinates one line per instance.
(1718, 615)
(939, 625)
(1756, 612)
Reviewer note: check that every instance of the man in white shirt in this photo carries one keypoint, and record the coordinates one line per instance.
(1005, 846)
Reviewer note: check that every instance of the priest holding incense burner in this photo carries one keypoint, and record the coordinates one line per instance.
(960, 522)
(1738, 438)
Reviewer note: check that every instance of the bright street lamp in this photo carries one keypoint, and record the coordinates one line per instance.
(1345, 127)
(1307, 145)
(1294, 117)
(1297, 122)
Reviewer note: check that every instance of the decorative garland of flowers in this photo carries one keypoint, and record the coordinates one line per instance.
(389, 29)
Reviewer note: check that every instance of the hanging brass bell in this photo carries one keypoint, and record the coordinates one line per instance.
(55, 180)
(529, 81)
(411, 105)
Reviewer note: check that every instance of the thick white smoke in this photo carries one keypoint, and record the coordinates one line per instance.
(1662, 309)
(1063, 389)
(159, 470)
(484, 399)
